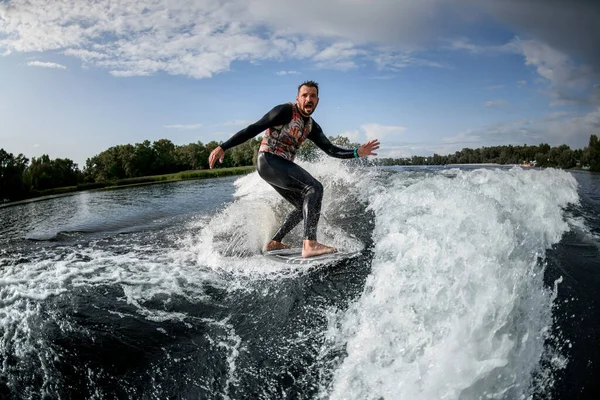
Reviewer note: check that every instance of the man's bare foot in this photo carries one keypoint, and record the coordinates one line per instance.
(311, 248)
(274, 245)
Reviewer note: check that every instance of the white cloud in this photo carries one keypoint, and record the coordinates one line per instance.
(465, 44)
(570, 27)
(280, 73)
(568, 83)
(560, 40)
(305, 48)
(339, 56)
(130, 72)
(393, 60)
(184, 127)
(202, 38)
(43, 64)
(405, 22)
(128, 37)
(86, 55)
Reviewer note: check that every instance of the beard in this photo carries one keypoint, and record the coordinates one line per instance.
(308, 111)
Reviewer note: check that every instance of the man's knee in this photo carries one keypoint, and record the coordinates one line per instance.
(315, 189)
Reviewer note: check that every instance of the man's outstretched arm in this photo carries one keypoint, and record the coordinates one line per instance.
(279, 115)
(319, 138)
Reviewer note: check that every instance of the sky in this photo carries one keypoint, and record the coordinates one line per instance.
(433, 76)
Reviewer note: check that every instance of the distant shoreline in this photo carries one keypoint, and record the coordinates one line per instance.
(483, 164)
(141, 181)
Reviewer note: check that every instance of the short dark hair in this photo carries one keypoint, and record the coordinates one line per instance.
(309, 84)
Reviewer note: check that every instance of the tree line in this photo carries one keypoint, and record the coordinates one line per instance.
(161, 157)
(542, 155)
(22, 178)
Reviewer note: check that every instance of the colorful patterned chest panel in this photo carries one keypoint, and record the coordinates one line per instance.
(284, 140)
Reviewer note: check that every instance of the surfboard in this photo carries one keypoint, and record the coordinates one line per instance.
(294, 256)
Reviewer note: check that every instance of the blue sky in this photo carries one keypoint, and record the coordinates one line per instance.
(77, 77)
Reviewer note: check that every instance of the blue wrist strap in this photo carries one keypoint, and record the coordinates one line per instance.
(355, 153)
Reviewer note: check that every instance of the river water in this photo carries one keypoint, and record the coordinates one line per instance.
(473, 283)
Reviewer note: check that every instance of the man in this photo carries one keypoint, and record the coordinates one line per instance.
(287, 126)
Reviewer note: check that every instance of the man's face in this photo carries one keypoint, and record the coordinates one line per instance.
(307, 100)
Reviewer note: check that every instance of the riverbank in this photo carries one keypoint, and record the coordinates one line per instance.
(144, 180)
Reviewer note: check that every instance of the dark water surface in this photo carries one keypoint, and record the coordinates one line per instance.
(471, 284)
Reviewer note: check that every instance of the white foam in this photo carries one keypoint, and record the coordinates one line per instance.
(139, 270)
(455, 302)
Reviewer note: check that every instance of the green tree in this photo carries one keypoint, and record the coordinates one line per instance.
(44, 173)
(245, 153)
(464, 157)
(106, 166)
(594, 153)
(186, 156)
(164, 163)
(201, 156)
(12, 169)
(40, 173)
(565, 157)
(65, 172)
(543, 159)
(143, 159)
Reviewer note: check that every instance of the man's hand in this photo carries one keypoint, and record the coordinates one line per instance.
(216, 154)
(368, 148)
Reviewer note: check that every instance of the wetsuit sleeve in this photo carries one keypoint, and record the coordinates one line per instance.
(319, 138)
(279, 115)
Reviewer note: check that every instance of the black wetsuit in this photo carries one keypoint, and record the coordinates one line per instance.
(291, 181)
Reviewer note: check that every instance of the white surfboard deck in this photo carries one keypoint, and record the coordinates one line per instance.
(294, 256)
